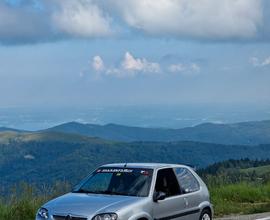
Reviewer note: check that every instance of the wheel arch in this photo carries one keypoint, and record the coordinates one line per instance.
(209, 209)
(141, 216)
(207, 206)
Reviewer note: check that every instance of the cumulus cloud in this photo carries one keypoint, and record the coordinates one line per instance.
(211, 19)
(185, 69)
(266, 62)
(39, 20)
(129, 66)
(256, 62)
(132, 64)
(81, 18)
(98, 64)
(195, 67)
(175, 68)
(35, 21)
(21, 24)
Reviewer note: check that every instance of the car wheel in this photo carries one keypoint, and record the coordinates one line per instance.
(206, 215)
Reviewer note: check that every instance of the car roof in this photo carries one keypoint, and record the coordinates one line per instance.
(143, 165)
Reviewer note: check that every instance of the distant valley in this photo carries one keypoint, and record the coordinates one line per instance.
(70, 151)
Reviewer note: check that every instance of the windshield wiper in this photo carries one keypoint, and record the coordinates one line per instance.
(112, 192)
(107, 192)
(82, 191)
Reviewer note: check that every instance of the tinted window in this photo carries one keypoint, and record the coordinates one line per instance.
(188, 183)
(166, 182)
(118, 181)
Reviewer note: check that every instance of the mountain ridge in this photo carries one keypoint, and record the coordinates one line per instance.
(244, 133)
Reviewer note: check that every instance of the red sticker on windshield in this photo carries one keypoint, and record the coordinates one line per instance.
(144, 172)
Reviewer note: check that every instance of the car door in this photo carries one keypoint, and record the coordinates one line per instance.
(174, 205)
(190, 189)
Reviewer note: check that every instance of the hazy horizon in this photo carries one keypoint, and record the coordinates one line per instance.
(166, 116)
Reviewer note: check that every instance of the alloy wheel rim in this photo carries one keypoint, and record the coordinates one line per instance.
(206, 217)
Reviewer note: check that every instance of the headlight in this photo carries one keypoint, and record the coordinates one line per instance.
(43, 213)
(106, 216)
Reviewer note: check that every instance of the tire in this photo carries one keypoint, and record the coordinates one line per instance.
(206, 215)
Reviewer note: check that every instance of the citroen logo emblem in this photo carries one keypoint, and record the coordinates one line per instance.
(68, 217)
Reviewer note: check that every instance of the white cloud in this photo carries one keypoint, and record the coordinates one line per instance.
(120, 73)
(195, 67)
(184, 68)
(191, 19)
(176, 68)
(210, 19)
(52, 20)
(132, 64)
(129, 66)
(266, 62)
(98, 64)
(81, 18)
(256, 62)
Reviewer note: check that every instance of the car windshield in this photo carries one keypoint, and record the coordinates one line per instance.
(118, 181)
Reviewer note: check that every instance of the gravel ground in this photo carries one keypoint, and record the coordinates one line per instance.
(262, 216)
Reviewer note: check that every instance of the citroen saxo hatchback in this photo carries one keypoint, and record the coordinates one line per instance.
(134, 192)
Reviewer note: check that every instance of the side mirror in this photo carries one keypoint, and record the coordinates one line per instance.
(159, 196)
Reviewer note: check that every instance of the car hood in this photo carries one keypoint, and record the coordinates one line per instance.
(87, 205)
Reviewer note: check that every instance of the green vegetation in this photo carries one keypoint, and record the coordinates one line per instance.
(240, 198)
(239, 186)
(262, 170)
(46, 157)
(229, 196)
(24, 201)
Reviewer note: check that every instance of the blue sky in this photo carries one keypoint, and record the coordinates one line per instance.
(97, 52)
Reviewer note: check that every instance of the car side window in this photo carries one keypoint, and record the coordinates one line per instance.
(188, 182)
(166, 182)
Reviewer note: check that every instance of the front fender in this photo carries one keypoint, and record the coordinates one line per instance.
(141, 215)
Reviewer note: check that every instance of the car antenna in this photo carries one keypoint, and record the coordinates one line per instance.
(125, 165)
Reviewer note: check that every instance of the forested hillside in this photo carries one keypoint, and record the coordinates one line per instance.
(46, 157)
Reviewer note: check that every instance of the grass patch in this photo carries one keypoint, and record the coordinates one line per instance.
(241, 198)
(24, 200)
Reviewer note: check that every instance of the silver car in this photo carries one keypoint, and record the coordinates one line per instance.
(130, 191)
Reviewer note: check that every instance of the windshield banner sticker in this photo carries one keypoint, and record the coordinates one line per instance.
(114, 170)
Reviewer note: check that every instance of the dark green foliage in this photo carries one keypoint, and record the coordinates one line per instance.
(239, 186)
(24, 200)
(234, 171)
(238, 198)
(46, 157)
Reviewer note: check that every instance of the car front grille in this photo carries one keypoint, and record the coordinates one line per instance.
(60, 217)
